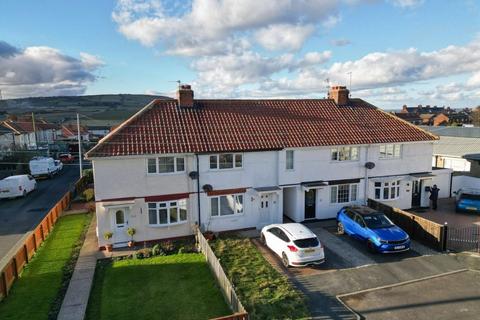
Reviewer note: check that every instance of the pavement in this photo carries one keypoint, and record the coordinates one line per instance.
(18, 216)
(75, 302)
(446, 213)
(337, 288)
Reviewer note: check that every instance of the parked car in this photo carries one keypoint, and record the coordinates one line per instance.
(374, 228)
(17, 186)
(294, 243)
(44, 167)
(66, 158)
(467, 200)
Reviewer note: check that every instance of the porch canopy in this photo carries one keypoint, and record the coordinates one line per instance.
(423, 175)
(313, 184)
(269, 189)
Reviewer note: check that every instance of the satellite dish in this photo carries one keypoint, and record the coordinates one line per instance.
(369, 165)
(207, 187)
(193, 175)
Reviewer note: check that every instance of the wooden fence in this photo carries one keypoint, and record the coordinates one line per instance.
(425, 231)
(15, 260)
(226, 287)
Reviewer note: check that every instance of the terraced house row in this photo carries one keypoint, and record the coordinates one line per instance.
(236, 164)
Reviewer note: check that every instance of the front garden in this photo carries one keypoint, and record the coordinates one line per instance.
(264, 292)
(39, 291)
(154, 285)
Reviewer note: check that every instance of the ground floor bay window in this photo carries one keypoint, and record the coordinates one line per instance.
(167, 213)
(343, 193)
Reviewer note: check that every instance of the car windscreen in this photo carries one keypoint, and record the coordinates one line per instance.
(306, 243)
(470, 196)
(376, 221)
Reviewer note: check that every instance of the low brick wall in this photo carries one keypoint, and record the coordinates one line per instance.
(425, 231)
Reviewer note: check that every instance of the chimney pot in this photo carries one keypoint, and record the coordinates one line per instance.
(340, 94)
(185, 96)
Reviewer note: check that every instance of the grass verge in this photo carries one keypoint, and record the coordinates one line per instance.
(264, 292)
(38, 293)
(179, 286)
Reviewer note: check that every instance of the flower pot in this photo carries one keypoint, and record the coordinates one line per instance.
(109, 247)
(209, 235)
(131, 244)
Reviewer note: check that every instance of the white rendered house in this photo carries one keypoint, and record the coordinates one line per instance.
(236, 164)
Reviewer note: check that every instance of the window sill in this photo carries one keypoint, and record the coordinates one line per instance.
(344, 161)
(166, 174)
(398, 158)
(228, 216)
(222, 170)
(166, 225)
(387, 199)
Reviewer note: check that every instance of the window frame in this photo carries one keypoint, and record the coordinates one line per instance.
(337, 152)
(387, 187)
(167, 205)
(236, 211)
(352, 189)
(290, 161)
(217, 161)
(384, 155)
(175, 165)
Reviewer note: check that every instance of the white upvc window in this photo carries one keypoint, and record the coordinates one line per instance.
(390, 151)
(343, 193)
(289, 159)
(166, 164)
(344, 154)
(226, 161)
(167, 212)
(387, 190)
(226, 205)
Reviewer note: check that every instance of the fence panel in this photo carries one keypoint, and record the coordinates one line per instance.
(222, 280)
(465, 238)
(20, 259)
(418, 228)
(38, 236)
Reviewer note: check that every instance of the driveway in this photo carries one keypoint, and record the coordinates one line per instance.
(350, 268)
(446, 213)
(18, 216)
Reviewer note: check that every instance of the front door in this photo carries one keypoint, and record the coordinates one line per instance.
(416, 193)
(264, 210)
(120, 223)
(310, 196)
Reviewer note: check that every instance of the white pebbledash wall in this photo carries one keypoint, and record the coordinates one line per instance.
(123, 181)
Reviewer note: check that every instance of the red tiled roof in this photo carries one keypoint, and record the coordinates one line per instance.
(25, 126)
(249, 125)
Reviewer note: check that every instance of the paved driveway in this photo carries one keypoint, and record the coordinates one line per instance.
(446, 213)
(351, 268)
(17, 216)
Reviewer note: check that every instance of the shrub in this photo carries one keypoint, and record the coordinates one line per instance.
(168, 246)
(91, 207)
(157, 251)
(88, 174)
(89, 194)
(108, 235)
(143, 253)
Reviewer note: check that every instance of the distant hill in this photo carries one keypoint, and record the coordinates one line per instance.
(114, 107)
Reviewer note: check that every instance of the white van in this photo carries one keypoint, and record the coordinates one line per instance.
(17, 186)
(44, 167)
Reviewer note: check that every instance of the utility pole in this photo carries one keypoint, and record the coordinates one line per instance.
(79, 145)
(34, 130)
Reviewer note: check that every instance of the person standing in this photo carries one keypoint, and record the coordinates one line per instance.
(434, 196)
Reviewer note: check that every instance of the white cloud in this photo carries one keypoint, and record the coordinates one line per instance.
(474, 80)
(406, 3)
(41, 71)
(340, 42)
(284, 36)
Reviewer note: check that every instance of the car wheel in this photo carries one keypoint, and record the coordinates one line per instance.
(371, 247)
(340, 228)
(285, 261)
(262, 239)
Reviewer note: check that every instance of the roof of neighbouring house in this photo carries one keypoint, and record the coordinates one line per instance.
(71, 130)
(456, 146)
(466, 132)
(253, 125)
(26, 126)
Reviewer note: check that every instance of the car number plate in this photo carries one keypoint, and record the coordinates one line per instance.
(309, 250)
(471, 208)
(399, 247)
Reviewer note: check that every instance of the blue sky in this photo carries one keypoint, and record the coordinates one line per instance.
(398, 51)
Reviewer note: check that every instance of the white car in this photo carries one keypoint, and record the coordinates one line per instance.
(17, 186)
(294, 243)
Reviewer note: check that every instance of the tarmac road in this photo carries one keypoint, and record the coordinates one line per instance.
(20, 215)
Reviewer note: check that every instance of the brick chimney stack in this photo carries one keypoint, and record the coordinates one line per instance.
(185, 96)
(339, 94)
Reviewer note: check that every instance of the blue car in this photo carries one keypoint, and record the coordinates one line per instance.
(468, 200)
(374, 228)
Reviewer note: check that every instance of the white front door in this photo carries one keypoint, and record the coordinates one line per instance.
(120, 225)
(264, 209)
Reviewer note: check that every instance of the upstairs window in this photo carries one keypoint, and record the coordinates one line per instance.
(226, 161)
(289, 154)
(166, 164)
(345, 154)
(390, 151)
(343, 193)
(226, 205)
(387, 190)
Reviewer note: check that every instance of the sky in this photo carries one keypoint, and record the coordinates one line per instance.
(388, 52)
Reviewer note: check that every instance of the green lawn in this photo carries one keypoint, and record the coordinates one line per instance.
(264, 292)
(38, 293)
(179, 286)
